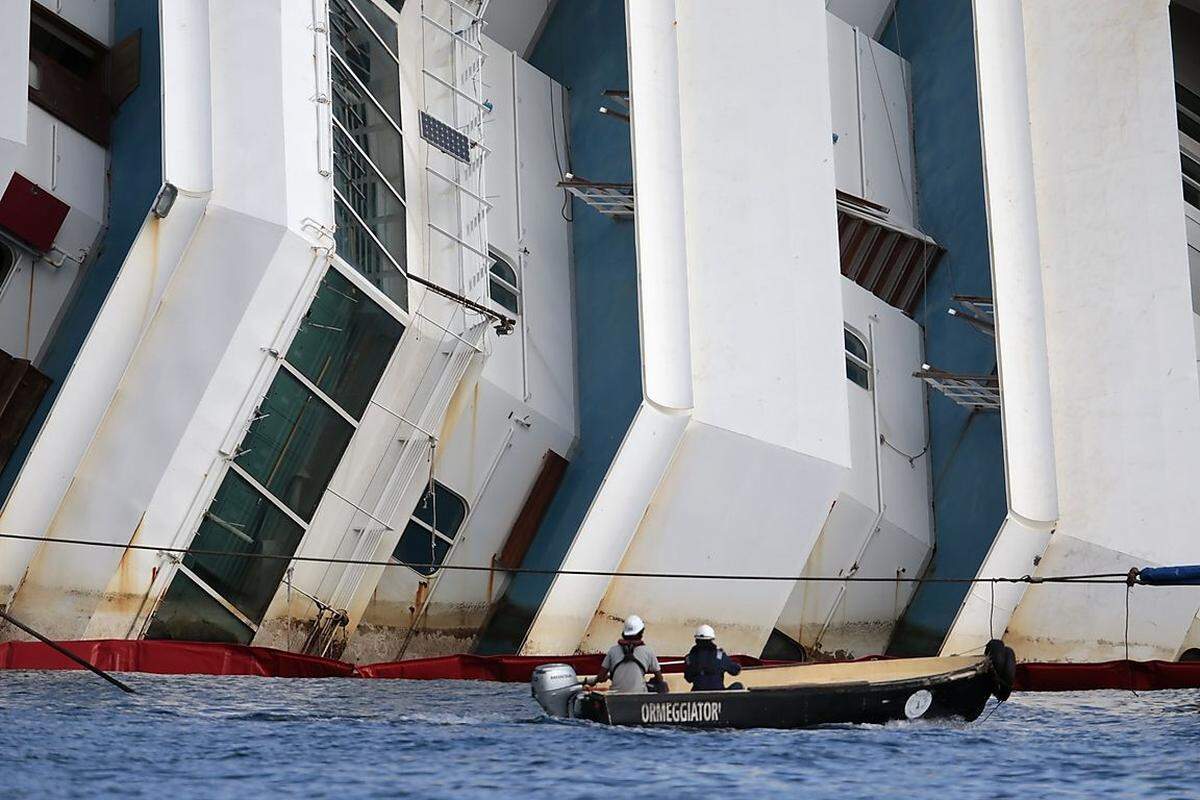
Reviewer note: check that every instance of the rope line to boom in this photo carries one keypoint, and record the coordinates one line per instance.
(1114, 578)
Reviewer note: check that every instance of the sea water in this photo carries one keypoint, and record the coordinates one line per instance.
(68, 734)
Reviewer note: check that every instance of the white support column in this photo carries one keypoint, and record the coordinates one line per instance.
(1021, 354)
(661, 233)
(645, 455)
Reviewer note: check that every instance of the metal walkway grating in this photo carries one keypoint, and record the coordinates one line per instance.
(611, 199)
(978, 312)
(976, 392)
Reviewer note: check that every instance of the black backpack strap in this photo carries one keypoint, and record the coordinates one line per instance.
(629, 653)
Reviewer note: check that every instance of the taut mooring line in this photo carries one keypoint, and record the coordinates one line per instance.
(64, 651)
(1115, 578)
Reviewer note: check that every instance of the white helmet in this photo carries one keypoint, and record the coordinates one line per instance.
(705, 633)
(633, 626)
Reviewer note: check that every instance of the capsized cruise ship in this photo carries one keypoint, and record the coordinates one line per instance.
(380, 329)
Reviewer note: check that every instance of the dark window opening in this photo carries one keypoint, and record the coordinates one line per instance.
(290, 452)
(76, 78)
(7, 259)
(52, 39)
(503, 284)
(344, 343)
(1191, 178)
(190, 614)
(431, 530)
(858, 360)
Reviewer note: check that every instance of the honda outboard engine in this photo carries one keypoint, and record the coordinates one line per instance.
(555, 687)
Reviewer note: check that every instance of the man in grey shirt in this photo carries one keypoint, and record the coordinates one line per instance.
(629, 660)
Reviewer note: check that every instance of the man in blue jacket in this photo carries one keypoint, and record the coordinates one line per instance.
(706, 664)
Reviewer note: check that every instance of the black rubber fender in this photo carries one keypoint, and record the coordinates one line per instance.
(1004, 668)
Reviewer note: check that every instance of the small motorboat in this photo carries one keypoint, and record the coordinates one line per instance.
(798, 696)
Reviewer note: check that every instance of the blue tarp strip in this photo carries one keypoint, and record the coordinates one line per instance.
(1187, 575)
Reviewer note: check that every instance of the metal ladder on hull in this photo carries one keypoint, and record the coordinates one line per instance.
(452, 90)
(419, 439)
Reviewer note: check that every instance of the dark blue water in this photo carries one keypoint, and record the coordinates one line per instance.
(69, 735)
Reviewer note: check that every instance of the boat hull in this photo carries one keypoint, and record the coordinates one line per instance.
(960, 695)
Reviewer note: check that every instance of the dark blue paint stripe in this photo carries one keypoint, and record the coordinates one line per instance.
(135, 176)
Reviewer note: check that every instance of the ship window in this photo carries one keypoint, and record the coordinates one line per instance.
(505, 288)
(344, 343)
(190, 614)
(431, 530)
(368, 150)
(1191, 179)
(1187, 106)
(362, 248)
(858, 360)
(240, 520)
(68, 74)
(7, 259)
(294, 444)
(291, 450)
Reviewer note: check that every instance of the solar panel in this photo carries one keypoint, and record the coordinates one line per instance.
(445, 138)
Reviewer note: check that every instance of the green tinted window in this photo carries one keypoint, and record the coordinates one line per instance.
(294, 444)
(362, 252)
(368, 153)
(344, 343)
(362, 35)
(190, 614)
(240, 520)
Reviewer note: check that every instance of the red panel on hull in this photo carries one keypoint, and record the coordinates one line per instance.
(173, 658)
(30, 213)
(1137, 675)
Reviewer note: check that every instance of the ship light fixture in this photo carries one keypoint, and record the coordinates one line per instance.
(165, 200)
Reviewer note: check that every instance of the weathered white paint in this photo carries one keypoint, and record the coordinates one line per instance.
(200, 296)
(760, 457)
(187, 74)
(762, 230)
(93, 17)
(74, 169)
(886, 132)
(1118, 327)
(1022, 360)
(14, 70)
(870, 15)
(661, 230)
(516, 24)
(872, 120)
(1192, 640)
(862, 536)
(659, 423)
(611, 523)
(844, 105)
(522, 402)
(1193, 237)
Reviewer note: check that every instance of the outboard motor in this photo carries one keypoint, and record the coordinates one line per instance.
(555, 687)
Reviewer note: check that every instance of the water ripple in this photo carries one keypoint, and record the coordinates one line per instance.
(68, 735)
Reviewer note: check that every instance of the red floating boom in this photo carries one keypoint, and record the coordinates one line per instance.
(173, 658)
(199, 658)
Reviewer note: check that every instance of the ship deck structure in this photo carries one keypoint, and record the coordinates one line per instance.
(386, 329)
